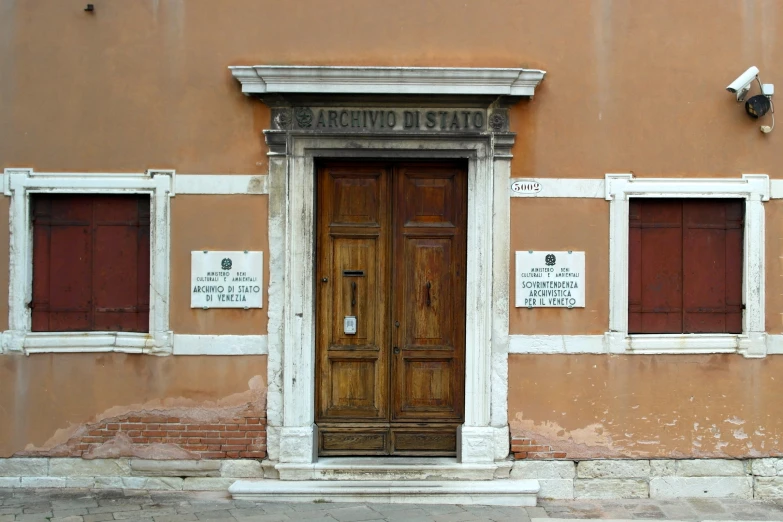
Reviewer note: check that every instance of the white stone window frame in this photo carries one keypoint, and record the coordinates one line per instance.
(754, 189)
(20, 184)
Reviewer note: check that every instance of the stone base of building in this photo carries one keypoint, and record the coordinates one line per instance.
(658, 479)
(126, 473)
(558, 479)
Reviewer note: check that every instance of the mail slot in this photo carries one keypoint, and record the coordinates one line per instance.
(353, 273)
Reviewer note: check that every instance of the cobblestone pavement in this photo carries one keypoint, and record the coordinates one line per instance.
(80, 505)
(679, 509)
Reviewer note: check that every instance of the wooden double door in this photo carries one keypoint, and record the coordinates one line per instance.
(390, 333)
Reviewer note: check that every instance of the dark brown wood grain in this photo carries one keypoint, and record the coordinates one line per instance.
(396, 386)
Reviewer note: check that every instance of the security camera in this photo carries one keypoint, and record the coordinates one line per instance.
(741, 85)
(758, 105)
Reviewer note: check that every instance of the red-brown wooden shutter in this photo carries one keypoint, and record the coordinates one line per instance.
(91, 257)
(655, 266)
(712, 265)
(685, 266)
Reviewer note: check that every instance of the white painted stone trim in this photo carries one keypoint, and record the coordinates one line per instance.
(657, 344)
(562, 188)
(594, 188)
(292, 434)
(260, 79)
(754, 188)
(222, 184)
(220, 344)
(776, 189)
(65, 342)
(182, 183)
(19, 184)
(540, 344)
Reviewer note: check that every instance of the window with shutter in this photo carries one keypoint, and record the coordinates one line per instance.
(91, 263)
(685, 266)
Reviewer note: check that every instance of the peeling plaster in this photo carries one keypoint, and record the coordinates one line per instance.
(123, 446)
(252, 400)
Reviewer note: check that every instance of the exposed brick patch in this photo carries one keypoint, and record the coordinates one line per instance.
(234, 438)
(523, 448)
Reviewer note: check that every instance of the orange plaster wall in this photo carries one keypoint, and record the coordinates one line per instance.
(201, 222)
(571, 224)
(630, 86)
(46, 398)
(648, 406)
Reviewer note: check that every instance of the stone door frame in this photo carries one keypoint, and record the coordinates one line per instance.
(484, 436)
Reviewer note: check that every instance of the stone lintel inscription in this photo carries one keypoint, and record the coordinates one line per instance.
(353, 119)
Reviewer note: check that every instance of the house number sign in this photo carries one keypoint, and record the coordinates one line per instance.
(547, 279)
(226, 279)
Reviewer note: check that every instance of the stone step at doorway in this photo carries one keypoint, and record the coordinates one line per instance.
(508, 492)
(392, 468)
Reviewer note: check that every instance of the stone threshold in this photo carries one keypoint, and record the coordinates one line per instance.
(480, 492)
(392, 468)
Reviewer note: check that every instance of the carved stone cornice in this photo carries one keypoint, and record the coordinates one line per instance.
(293, 79)
(415, 103)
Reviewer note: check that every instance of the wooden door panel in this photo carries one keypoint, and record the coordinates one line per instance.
(355, 276)
(429, 198)
(427, 387)
(391, 249)
(435, 441)
(429, 294)
(353, 440)
(355, 197)
(353, 235)
(354, 378)
(428, 283)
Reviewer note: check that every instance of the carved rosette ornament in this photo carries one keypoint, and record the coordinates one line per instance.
(496, 122)
(283, 119)
(304, 117)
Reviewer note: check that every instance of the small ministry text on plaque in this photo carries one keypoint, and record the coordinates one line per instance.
(222, 279)
(547, 279)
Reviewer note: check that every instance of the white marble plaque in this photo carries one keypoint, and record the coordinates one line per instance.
(547, 279)
(221, 279)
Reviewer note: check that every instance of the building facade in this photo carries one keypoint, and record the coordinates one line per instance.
(535, 244)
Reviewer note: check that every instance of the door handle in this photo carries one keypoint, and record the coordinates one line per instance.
(396, 349)
(429, 300)
(353, 294)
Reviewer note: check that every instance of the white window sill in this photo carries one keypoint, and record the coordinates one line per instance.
(68, 342)
(747, 344)
(128, 342)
